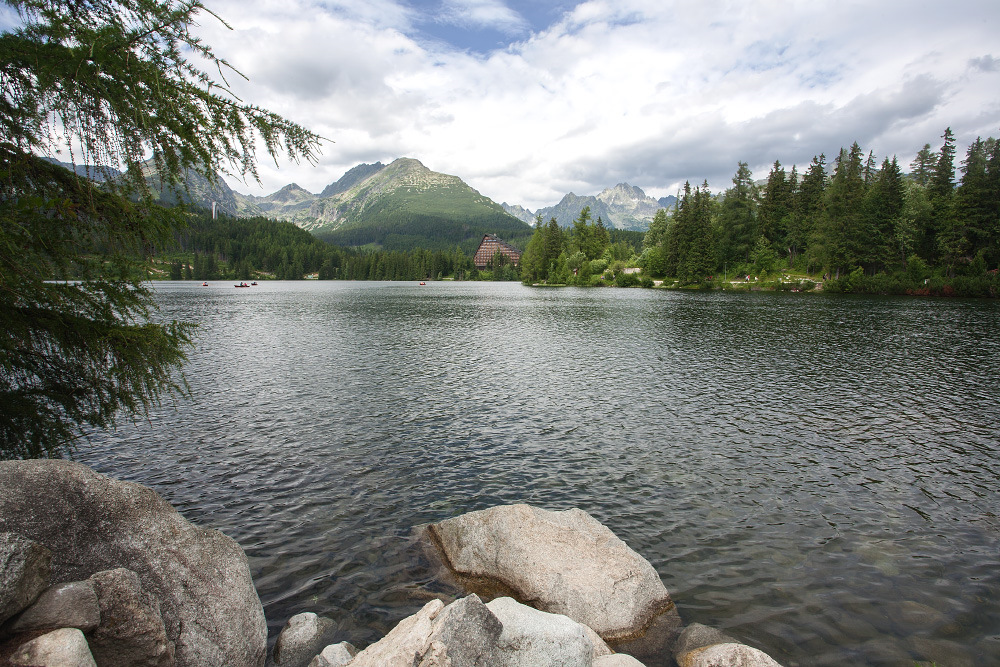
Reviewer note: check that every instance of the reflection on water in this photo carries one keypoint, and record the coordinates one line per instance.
(815, 475)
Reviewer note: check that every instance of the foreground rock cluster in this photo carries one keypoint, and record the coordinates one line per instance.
(112, 561)
(97, 572)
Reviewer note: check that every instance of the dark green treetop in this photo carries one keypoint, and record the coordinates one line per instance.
(111, 84)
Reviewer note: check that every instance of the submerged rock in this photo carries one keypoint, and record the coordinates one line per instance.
(702, 646)
(561, 562)
(91, 523)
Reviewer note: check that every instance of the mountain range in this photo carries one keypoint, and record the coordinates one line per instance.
(404, 204)
(622, 207)
(376, 194)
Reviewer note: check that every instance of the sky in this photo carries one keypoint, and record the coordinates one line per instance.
(529, 100)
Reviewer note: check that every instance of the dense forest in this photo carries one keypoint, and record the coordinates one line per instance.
(864, 226)
(855, 225)
(250, 248)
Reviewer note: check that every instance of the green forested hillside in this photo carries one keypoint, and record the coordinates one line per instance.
(858, 225)
(259, 248)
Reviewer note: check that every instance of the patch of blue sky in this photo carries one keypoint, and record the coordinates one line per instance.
(482, 26)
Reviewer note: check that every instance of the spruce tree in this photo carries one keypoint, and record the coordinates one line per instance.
(109, 82)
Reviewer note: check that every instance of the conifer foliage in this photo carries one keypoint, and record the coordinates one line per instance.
(110, 83)
(866, 226)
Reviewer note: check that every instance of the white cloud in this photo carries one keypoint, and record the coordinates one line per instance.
(646, 92)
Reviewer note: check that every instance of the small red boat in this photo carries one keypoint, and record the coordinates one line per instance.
(422, 283)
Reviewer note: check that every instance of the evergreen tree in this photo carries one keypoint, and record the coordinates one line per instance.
(112, 80)
(657, 230)
(922, 166)
(599, 240)
(808, 210)
(582, 231)
(738, 218)
(946, 242)
(776, 205)
(882, 207)
(977, 207)
(654, 253)
(842, 229)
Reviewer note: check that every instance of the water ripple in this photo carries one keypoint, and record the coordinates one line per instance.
(816, 475)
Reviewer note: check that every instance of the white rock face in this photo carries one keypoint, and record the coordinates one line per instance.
(406, 643)
(66, 647)
(467, 633)
(617, 660)
(90, 523)
(531, 637)
(562, 562)
(335, 655)
(303, 636)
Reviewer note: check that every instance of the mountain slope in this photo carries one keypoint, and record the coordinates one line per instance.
(622, 207)
(351, 178)
(406, 204)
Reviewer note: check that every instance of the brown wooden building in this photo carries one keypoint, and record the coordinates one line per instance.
(490, 246)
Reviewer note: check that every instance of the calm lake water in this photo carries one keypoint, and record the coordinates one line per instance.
(816, 475)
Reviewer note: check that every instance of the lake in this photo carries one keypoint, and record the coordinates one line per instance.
(817, 475)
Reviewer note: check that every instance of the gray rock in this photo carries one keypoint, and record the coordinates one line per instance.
(406, 644)
(531, 637)
(24, 573)
(303, 636)
(462, 634)
(66, 647)
(726, 655)
(467, 633)
(560, 562)
(335, 655)
(91, 523)
(131, 631)
(72, 605)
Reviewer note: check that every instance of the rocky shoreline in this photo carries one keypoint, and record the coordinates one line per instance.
(95, 571)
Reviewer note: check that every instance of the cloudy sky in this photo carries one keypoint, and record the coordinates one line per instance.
(527, 100)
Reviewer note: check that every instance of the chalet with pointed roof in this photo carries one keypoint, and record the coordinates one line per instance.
(490, 246)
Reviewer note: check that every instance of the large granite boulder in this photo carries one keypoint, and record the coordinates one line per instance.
(560, 562)
(199, 577)
(24, 573)
(468, 633)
